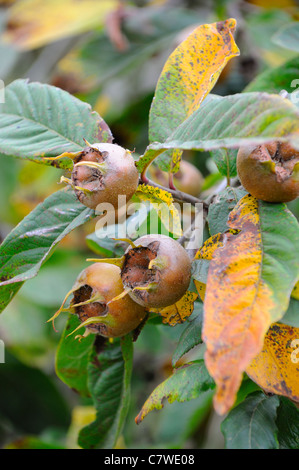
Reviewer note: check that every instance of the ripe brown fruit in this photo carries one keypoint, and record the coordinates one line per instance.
(270, 172)
(157, 272)
(110, 171)
(188, 179)
(93, 302)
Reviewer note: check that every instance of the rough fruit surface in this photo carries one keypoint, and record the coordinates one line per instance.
(157, 272)
(119, 177)
(270, 172)
(103, 281)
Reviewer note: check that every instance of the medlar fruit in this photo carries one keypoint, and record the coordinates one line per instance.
(156, 273)
(102, 172)
(188, 179)
(99, 303)
(270, 172)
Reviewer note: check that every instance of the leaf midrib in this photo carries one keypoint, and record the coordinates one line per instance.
(41, 125)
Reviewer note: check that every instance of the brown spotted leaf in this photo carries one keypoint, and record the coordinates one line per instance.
(206, 253)
(295, 292)
(163, 204)
(250, 280)
(178, 312)
(189, 74)
(276, 368)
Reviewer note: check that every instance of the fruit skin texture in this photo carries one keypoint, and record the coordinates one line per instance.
(188, 179)
(120, 316)
(170, 276)
(120, 176)
(270, 172)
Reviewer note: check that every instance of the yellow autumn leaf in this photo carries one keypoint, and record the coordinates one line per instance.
(210, 245)
(274, 3)
(206, 252)
(295, 291)
(81, 417)
(34, 23)
(201, 289)
(216, 45)
(189, 74)
(162, 202)
(178, 312)
(248, 289)
(276, 368)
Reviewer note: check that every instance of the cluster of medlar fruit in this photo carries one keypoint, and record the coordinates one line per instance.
(112, 300)
(113, 297)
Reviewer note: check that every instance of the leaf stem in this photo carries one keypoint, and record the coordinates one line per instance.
(227, 171)
(170, 181)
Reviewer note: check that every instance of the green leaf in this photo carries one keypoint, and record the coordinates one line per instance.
(200, 268)
(221, 206)
(72, 358)
(288, 424)
(247, 387)
(109, 376)
(186, 383)
(40, 120)
(280, 265)
(291, 317)
(253, 118)
(101, 241)
(147, 158)
(105, 247)
(29, 245)
(251, 424)
(288, 36)
(190, 337)
(277, 79)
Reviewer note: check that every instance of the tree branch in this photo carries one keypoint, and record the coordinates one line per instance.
(176, 194)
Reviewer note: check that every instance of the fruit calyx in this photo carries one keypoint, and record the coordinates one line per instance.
(139, 274)
(101, 173)
(281, 156)
(157, 273)
(100, 305)
(270, 172)
(88, 172)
